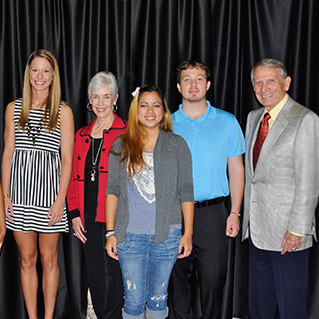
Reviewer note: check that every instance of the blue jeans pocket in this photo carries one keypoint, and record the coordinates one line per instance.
(173, 240)
(127, 245)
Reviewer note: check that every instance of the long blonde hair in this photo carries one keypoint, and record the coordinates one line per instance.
(51, 114)
(134, 139)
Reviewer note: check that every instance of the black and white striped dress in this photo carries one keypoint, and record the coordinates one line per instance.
(35, 174)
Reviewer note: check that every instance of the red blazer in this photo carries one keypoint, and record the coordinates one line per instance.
(82, 142)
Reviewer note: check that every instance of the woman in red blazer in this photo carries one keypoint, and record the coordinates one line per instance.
(86, 194)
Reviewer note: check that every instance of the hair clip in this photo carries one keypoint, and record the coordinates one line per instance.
(136, 91)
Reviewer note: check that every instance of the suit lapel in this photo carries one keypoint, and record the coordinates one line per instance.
(254, 129)
(274, 134)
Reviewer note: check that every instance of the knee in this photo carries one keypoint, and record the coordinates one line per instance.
(28, 260)
(49, 262)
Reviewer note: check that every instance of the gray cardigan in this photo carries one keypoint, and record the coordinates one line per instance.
(173, 184)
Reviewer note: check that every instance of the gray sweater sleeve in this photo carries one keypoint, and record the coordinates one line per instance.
(185, 174)
(114, 170)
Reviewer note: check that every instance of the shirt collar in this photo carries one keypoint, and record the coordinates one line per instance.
(209, 114)
(276, 110)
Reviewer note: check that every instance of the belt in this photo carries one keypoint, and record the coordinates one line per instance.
(209, 202)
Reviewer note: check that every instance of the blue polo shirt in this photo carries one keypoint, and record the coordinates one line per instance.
(212, 139)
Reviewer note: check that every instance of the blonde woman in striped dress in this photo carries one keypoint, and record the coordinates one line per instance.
(36, 170)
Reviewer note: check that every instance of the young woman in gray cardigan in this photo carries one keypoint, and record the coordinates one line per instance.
(149, 184)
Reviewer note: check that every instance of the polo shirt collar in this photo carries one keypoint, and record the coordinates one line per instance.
(209, 114)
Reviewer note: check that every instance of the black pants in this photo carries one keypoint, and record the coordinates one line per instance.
(197, 282)
(104, 274)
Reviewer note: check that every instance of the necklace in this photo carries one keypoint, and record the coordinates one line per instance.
(33, 131)
(94, 160)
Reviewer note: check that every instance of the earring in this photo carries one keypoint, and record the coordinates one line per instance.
(89, 107)
(115, 108)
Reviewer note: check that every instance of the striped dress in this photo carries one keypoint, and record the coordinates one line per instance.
(35, 174)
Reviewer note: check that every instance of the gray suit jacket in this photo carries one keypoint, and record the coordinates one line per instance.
(282, 193)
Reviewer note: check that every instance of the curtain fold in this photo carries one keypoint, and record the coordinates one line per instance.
(144, 41)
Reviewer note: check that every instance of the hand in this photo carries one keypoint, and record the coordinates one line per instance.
(290, 242)
(78, 229)
(185, 247)
(232, 225)
(111, 248)
(56, 212)
(8, 208)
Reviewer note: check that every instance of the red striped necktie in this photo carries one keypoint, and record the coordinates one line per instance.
(261, 136)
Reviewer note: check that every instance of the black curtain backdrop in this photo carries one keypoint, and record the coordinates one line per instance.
(143, 41)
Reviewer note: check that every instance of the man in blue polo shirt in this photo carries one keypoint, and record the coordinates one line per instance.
(217, 144)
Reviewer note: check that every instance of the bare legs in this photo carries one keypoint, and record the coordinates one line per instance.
(27, 244)
(48, 244)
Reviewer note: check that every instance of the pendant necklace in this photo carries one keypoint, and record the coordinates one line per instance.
(94, 160)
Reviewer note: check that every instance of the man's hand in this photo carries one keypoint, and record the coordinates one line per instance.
(290, 242)
(232, 225)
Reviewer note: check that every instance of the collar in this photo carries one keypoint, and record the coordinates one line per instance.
(209, 114)
(276, 110)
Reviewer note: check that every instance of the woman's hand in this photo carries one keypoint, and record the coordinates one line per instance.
(185, 246)
(56, 212)
(78, 229)
(110, 247)
(8, 208)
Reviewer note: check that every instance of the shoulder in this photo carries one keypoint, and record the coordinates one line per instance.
(67, 115)
(117, 145)
(10, 107)
(296, 111)
(177, 115)
(170, 137)
(119, 123)
(224, 115)
(255, 113)
(9, 113)
(66, 110)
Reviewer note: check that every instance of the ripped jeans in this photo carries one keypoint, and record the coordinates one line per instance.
(146, 269)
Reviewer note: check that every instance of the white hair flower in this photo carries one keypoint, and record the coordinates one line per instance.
(136, 91)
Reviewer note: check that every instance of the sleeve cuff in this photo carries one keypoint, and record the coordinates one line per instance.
(74, 213)
(296, 234)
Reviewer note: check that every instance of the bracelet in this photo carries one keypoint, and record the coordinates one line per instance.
(109, 230)
(6, 196)
(109, 234)
(236, 213)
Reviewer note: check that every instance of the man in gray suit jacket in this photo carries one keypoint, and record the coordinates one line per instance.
(281, 194)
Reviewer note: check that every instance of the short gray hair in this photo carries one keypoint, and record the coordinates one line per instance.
(271, 63)
(101, 79)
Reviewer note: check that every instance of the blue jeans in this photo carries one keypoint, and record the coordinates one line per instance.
(146, 269)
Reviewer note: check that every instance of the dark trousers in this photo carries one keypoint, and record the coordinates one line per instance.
(278, 284)
(104, 274)
(197, 282)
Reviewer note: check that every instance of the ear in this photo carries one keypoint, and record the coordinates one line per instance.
(208, 85)
(287, 83)
(115, 100)
(179, 87)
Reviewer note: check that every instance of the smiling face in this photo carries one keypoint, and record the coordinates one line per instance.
(193, 84)
(41, 74)
(269, 86)
(150, 110)
(102, 101)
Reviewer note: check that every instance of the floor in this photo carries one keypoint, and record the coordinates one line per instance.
(90, 311)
